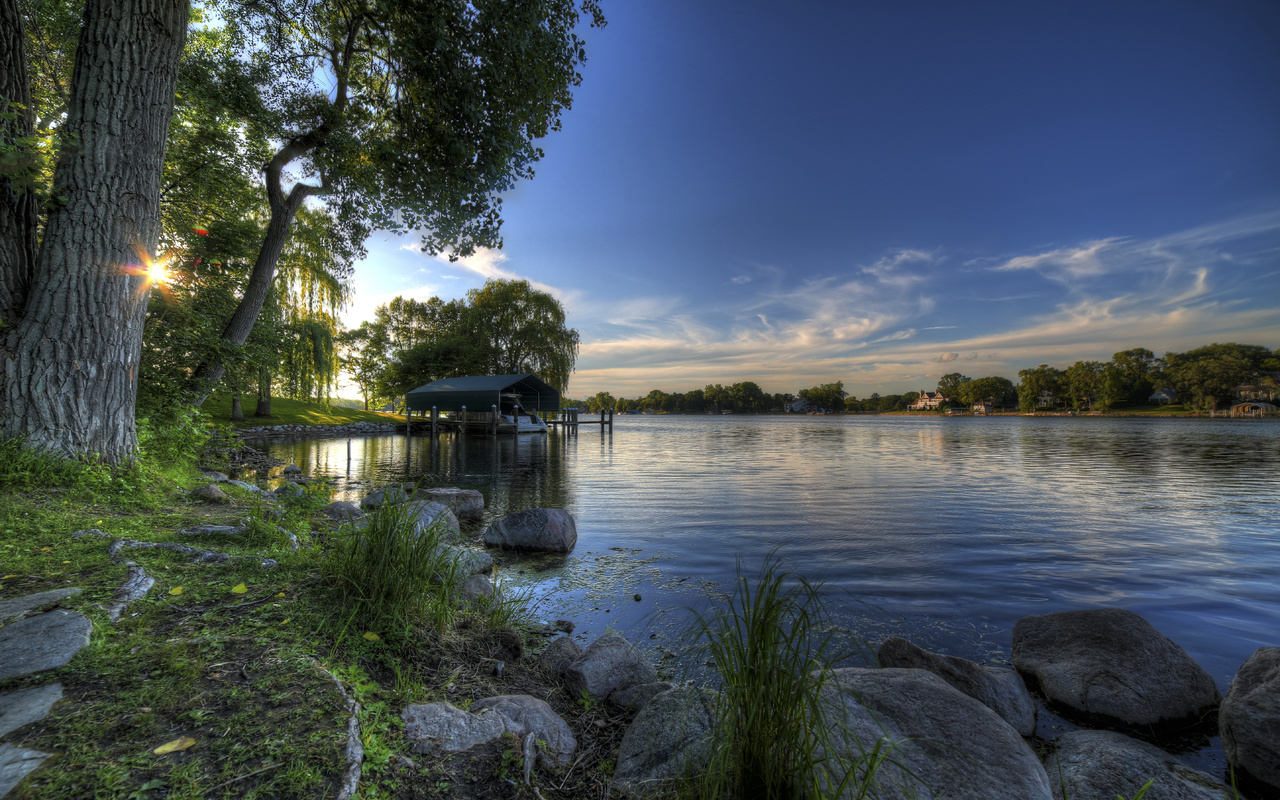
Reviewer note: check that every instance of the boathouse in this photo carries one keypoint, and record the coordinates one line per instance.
(480, 393)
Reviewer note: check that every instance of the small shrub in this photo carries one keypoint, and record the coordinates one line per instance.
(394, 574)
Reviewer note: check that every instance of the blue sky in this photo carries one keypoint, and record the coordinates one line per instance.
(881, 193)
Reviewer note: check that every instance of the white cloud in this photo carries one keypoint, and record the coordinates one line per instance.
(1069, 262)
(948, 357)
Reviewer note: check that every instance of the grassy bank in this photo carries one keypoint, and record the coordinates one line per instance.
(240, 665)
(292, 412)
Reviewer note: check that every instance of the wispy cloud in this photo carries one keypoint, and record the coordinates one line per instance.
(1168, 293)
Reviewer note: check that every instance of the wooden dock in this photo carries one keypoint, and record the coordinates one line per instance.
(491, 426)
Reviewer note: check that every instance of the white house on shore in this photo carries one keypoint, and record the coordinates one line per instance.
(928, 401)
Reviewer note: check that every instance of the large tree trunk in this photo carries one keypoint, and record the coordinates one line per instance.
(18, 212)
(70, 364)
(263, 409)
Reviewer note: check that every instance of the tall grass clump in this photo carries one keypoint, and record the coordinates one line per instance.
(771, 643)
(393, 572)
(24, 466)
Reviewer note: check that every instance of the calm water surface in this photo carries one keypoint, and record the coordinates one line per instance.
(946, 530)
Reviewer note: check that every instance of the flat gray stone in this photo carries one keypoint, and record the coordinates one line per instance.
(16, 764)
(21, 606)
(135, 587)
(25, 706)
(1101, 765)
(213, 530)
(45, 641)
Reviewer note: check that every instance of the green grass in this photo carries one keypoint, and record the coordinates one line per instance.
(292, 412)
(771, 645)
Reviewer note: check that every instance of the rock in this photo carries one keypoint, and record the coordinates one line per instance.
(669, 738)
(292, 469)
(1000, 690)
(216, 477)
(423, 515)
(531, 715)
(434, 727)
(388, 494)
(342, 511)
(634, 698)
(45, 641)
(17, 607)
(210, 493)
(248, 487)
(474, 588)
(547, 529)
(952, 744)
(558, 655)
(15, 764)
(1112, 663)
(470, 562)
(1249, 719)
(609, 664)
(466, 504)
(290, 490)
(25, 706)
(1105, 764)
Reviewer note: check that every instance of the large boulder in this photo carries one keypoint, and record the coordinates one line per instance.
(1100, 765)
(424, 514)
(609, 664)
(1000, 690)
(466, 504)
(470, 562)
(671, 737)
(1249, 719)
(1112, 663)
(342, 511)
(942, 743)
(531, 715)
(550, 530)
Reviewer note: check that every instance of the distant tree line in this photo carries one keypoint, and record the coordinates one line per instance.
(1204, 378)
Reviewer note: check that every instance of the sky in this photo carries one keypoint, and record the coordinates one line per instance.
(883, 193)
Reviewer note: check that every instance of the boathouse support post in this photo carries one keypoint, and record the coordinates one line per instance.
(493, 426)
(408, 420)
(435, 417)
(463, 427)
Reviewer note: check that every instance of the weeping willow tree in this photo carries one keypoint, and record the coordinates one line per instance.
(301, 314)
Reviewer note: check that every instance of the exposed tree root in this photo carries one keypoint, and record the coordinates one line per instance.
(135, 587)
(355, 750)
(197, 555)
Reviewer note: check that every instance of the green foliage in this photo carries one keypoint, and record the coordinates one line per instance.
(1209, 375)
(950, 385)
(771, 644)
(394, 574)
(827, 395)
(22, 466)
(176, 438)
(1041, 387)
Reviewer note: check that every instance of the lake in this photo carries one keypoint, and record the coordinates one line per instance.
(945, 530)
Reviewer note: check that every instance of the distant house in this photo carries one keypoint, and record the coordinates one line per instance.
(928, 401)
(1164, 396)
(1266, 386)
(983, 408)
(798, 406)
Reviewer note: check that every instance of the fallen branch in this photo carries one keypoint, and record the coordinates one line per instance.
(198, 556)
(355, 750)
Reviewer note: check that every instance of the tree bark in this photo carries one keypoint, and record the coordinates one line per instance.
(70, 364)
(263, 408)
(237, 411)
(18, 212)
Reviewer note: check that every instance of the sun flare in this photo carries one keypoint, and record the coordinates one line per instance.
(159, 273)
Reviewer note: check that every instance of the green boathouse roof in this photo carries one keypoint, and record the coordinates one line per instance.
(480, 392)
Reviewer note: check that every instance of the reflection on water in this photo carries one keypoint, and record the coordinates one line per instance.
(957, 526)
